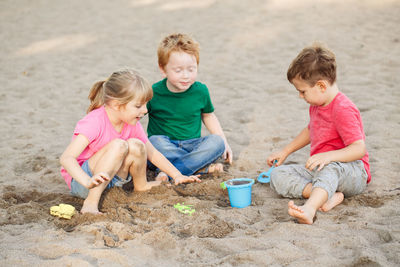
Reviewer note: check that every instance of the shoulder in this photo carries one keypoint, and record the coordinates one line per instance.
(93, 116)
(91, 125)
(343, 106)
(200, 86)
(200, 89)
(159, 85)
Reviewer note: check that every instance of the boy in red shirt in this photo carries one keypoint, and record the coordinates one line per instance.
(338, 164)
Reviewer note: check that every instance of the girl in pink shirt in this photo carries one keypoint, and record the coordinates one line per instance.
(109, 147)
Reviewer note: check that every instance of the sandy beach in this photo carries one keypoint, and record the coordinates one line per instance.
(53, 51)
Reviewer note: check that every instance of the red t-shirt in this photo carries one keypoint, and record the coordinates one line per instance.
(336, 126)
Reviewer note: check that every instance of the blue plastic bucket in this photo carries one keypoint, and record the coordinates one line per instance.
(239, 191)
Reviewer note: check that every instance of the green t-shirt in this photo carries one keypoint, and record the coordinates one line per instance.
(178, 115)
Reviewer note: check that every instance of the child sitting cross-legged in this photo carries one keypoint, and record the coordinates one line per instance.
(178, 108)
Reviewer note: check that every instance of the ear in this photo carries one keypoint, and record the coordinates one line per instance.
(162, 70)
(322, 85)
(115, 105)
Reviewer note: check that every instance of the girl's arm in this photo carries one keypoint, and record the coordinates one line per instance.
(164, 165)
(352, 152)
(212, 124)
(300, 141)
(71, 165)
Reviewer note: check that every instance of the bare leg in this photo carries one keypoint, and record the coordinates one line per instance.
(108, 160)
(335, 200)
(305, 214)
(307, 190)
(136, 163)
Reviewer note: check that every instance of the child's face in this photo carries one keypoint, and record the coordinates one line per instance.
(181, 71)
(312, 95)
(133, 111)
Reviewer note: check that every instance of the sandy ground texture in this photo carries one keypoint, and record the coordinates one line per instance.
(53, 51)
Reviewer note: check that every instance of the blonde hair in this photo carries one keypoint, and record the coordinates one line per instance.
(123, 86)
(177, 42)
(314, 63)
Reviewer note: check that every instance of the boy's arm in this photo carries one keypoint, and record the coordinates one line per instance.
(352, 152)
(212, 124)
(71, 165)
(164, 165)
(300, 141)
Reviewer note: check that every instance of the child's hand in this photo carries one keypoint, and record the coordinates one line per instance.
(318, 160)
(280, 157)
(97, 179)
(181, 179)
(228, 154)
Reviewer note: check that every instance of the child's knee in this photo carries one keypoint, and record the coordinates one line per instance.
(284, 185)
(276, 180)
(119, 147)
(136, 148)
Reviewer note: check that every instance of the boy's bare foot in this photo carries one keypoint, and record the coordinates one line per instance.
(216, 168)
(212, 168)
(335, 200)
(303, 214)
(162, 176)
(89, 207)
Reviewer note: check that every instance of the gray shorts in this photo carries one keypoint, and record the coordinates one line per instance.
(350, 178)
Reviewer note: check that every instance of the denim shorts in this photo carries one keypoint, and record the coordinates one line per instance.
(79, 190)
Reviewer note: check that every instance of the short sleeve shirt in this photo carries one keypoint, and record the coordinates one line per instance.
(336, 126)
(97, 128)
(178, 115)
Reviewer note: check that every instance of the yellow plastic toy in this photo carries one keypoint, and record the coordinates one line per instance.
(65, 211)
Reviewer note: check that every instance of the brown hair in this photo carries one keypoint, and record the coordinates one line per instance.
(312, 64)
(123, 85)
(177, 42)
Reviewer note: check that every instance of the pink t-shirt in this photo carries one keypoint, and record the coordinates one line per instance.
(97, 128)
(336, 126)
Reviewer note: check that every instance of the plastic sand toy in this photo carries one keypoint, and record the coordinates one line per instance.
(185, 209)
(264, 177)
(65, 211)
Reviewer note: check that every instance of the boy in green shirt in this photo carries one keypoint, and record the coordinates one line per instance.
(178, 107)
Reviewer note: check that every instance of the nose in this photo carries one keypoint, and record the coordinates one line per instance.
(185, 74)
(301, 95)
(144, 109)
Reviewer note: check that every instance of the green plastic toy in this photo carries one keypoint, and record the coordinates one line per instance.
(185, 209)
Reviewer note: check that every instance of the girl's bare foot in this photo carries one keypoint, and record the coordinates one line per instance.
(303, 214)
(162, 176)
(335, 200)
(89, 207)
(148, 186)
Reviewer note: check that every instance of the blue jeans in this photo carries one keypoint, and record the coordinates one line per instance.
(189, 156)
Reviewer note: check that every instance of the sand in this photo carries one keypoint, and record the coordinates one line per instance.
(53, 51)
